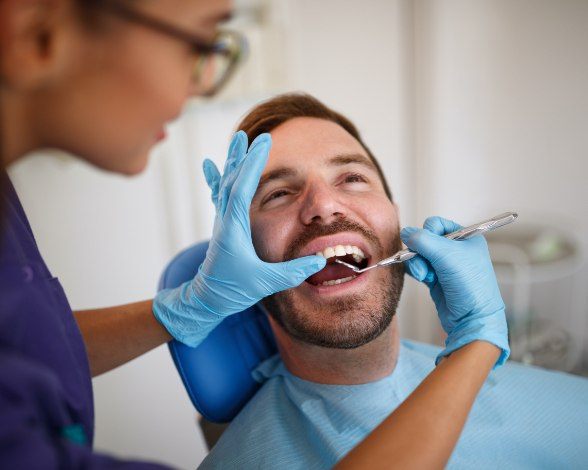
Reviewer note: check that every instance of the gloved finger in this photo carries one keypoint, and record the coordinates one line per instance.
(236, 154)
(441, 226)
(213, 177)
(421, 270)
(416, 268)
(248, 175)
(289, 274)
(431, 277)
(227, 182)
(406, 232)
(424, 242)
(237, 151)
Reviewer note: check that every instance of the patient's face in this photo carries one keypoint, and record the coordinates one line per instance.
(321, 193)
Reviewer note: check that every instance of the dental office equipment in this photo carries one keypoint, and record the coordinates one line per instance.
(463, 234)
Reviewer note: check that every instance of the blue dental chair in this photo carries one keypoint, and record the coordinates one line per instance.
(217, 373)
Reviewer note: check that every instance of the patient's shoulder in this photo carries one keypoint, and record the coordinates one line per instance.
(257, 432)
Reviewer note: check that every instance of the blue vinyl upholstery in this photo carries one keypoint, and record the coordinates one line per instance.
(217, 373)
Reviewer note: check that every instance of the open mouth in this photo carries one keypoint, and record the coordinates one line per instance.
(335, 273)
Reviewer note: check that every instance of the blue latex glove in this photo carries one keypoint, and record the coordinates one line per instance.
(232, 277)
(462, 283)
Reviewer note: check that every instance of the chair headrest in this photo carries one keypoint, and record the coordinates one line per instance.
(217, 373)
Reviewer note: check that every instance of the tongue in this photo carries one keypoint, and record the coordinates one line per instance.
(330, 272)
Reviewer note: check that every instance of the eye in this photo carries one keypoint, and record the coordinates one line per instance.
(275, 195)
(354, 182)
(355, 178)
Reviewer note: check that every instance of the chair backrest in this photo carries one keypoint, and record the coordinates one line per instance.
(217, 373)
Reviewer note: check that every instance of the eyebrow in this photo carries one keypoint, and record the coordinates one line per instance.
(278, 173)
(348, 158)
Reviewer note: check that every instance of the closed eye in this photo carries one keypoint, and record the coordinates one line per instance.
(275, 195)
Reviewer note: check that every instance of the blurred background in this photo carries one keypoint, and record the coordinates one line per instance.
(472, 107)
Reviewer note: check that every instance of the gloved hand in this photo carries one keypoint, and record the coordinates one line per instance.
(462, 283)
(232, 277)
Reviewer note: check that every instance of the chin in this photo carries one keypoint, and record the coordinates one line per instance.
(137, 167)
(123, 164)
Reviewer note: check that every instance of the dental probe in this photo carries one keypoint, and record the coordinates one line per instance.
(463, 234)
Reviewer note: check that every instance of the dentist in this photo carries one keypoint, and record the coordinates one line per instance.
(86, 77)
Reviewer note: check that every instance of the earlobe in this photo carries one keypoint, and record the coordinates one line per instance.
(30, 37)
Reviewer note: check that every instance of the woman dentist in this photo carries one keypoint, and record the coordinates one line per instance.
(100, 79)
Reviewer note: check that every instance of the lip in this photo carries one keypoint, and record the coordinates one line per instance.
(359, 284)
(343, 238)
(160, 135)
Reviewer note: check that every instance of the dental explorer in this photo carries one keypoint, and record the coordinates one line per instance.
(463, 234)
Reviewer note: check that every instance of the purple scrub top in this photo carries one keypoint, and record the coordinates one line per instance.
(46, 401)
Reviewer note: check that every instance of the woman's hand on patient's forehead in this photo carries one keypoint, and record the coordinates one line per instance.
(231, 258)
(232, 278)
(221, 185)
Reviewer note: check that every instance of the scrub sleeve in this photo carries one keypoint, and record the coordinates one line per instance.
(46, 401)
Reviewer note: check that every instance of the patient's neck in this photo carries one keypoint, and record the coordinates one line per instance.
(367, 363)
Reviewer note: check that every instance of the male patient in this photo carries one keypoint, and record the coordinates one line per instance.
(342, 368)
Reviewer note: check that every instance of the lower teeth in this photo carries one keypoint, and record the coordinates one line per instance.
(338, 281)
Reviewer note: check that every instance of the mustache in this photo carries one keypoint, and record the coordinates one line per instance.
(316, 230)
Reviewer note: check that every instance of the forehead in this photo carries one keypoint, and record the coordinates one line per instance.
(310, 142)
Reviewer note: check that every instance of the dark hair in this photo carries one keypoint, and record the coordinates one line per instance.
(269, 114)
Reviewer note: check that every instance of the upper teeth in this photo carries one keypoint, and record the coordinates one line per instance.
(342, 250)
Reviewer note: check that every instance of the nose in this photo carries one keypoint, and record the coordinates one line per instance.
(321, 205)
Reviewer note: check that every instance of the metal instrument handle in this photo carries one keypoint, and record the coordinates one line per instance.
(462, 234)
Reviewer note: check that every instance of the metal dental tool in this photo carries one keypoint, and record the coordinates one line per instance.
(463, 234)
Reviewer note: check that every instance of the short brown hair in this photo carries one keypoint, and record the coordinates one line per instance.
(269, 114)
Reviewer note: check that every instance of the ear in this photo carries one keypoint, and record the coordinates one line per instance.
(32, 41)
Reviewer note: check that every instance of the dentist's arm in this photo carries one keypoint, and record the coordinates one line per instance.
(115, 335)
(422, 432)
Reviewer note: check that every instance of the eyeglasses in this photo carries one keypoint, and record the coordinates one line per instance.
(217, 60)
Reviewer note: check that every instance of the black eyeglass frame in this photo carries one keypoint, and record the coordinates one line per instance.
(230, 44)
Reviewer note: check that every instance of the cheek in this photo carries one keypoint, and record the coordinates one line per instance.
(153, 78)
(158, 96)
(271, 235)
(382, 217)
(143, 99)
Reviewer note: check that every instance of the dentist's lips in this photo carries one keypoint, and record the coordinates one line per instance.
(160, 135)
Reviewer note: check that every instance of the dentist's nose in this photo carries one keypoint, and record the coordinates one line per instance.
(321, 206)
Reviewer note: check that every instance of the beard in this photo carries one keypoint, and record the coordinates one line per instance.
(347, 322)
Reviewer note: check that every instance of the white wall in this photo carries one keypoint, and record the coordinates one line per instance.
(502, 114)
(473, 107)
(503, 106)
